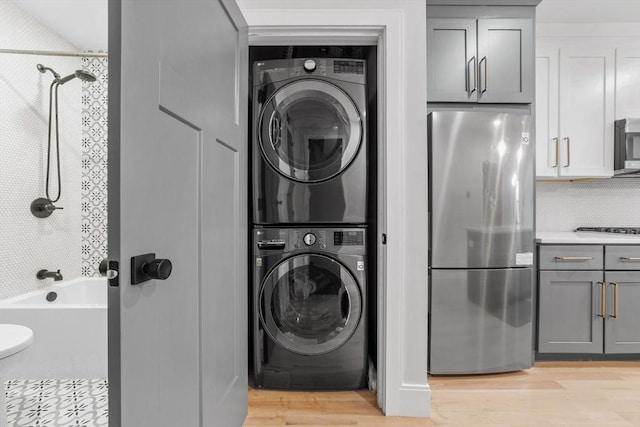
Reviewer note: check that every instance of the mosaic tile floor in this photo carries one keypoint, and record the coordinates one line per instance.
(57, 403)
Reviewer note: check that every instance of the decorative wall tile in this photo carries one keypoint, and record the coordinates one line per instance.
(564, 206)
(94, 163)
(53, 403)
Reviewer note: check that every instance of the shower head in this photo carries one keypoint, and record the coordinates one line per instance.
(85, 76)
(44, 69)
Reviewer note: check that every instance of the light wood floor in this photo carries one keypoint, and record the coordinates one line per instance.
(571, 394)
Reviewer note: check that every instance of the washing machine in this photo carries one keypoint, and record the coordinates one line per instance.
(310, 304)
(309, 141)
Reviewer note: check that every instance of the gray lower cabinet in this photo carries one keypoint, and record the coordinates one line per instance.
(622, 324)
(488, 60)
(589, 299)
(570, 317)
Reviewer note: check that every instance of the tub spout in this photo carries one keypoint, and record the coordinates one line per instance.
(45, 274)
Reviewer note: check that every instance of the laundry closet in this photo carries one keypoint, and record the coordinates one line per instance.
(312, 225)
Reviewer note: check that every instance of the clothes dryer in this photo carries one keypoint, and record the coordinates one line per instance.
(309, 141)
(310, 308)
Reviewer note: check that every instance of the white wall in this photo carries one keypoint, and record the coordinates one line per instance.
(402, 50)
(27, 243)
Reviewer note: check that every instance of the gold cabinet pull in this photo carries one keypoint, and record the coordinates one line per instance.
(573, 258)
(603, 299)
(557, 142)
(615, 300)
(568, 152)
(475, 75)
(629, 258)
(486, 80)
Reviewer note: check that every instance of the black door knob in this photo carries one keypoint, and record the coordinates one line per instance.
(147, 267)
(157, 269)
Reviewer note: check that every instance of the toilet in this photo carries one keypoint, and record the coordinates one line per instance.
(13, 340)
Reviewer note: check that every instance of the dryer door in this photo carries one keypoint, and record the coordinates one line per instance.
(310, 304)
(310, 130)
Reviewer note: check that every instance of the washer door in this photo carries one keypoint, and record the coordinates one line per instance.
(310, 304)
(310, 130)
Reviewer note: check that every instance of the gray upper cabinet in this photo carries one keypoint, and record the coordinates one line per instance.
(480, 60)
(452, 61)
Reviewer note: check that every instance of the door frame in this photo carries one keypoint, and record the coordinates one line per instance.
(398, 29)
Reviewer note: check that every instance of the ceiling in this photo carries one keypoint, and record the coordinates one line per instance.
(588, 11)
(84, 22)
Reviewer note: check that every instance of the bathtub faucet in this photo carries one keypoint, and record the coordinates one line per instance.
(44, 274)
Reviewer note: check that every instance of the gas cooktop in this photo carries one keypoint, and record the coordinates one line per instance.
(619, 230)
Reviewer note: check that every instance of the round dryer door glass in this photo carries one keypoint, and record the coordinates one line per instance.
(310, 304)
(310, 130)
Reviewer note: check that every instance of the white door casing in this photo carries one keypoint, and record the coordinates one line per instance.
(399, 31)
(177, 187)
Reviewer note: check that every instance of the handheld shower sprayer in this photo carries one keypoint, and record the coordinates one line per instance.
(45, 206)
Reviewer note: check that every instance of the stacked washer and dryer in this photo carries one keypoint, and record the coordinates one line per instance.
(310, 198)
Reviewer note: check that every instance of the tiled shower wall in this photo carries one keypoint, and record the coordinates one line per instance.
(94, 167)
(564, 206)
(27, 243)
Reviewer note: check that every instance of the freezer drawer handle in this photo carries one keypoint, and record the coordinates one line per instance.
(629, 258)
(573, 258)
(603, 299)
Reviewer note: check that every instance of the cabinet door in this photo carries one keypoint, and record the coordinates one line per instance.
(451, 67)
(506, 60)
(570, 310)
(547, 142)
(622, 325)
(586, 112)
(627, 82)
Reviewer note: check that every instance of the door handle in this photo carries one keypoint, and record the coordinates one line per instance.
(475, 75)
(557, 142)
(603, 300)
(568, 151)
(615, 300)
(147, 267)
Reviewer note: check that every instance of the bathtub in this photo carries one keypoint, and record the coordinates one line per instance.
(70, 331)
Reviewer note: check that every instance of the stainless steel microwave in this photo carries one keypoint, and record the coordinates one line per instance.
(626, 152)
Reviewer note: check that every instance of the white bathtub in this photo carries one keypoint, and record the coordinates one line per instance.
(70, 333)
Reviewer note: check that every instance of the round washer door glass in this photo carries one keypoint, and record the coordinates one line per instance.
(310, 304)
(310, 130)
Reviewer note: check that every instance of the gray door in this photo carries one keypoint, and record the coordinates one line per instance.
(505, 60)
(571, 312)
(177, 188)
(481, 321)
(452, 66)
(622, 327)
(482, 182)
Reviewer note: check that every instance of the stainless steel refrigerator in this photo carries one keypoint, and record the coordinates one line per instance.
(481, 242)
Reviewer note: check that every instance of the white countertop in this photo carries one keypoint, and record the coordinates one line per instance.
(587, 238)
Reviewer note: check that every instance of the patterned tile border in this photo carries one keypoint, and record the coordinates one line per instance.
(94, 163)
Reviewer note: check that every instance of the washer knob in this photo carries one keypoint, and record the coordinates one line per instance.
(309, 65)
(309, 239)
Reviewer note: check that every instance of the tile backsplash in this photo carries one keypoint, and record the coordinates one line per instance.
(564, 206)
